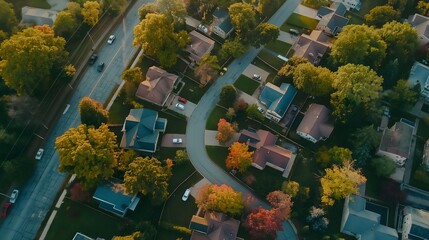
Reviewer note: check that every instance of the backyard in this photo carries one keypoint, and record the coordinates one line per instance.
(299, 22)
(367, 5)
(246, 84)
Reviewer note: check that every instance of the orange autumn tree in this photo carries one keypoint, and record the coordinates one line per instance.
(239, 157)
(225, 131)
(220, 198)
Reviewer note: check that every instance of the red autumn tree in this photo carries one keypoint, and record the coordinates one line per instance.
(225, 131)
(263, 224)
(239, 157)
(220, 198)
(282, 202)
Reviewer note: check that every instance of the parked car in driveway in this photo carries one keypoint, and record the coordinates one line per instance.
(257, 77)
(177, 140)
(5, 209)
(111, 39)
(186, 194)
(180, 106)
(182, 100)
(39, 154)
(14, 196)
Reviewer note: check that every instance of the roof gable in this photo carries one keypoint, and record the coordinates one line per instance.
(277, 99)
(316, 122)
(397, 139)
(157, 86)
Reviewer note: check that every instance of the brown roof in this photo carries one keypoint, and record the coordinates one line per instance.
(157, 86)
(313, 47)
(316, 122)
(199, 46)
(257, 139)
(397, 139)
(220, 227)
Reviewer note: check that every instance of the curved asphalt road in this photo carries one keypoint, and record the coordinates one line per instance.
(36, 197)
(197, 121)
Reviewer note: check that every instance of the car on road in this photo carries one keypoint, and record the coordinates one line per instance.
(93, 59)
(39, 154)
(5, 209)
(224, 70)
(14, 196)
(111, 39)
(177, 140)
(186, 194)
(182, 100)
(256, 77)
(100, 67)
(180, 106)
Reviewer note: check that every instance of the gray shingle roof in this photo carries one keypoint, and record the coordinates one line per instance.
(316, 122)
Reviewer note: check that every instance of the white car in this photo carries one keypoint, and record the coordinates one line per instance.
(257, 77)
(203, 28)
(180, 106)
(111, 39)
(14, 196)
(186, 194)
(177, 140)
(39, 154)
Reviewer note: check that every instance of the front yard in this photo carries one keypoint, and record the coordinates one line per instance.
(299, 22)
(246, 84)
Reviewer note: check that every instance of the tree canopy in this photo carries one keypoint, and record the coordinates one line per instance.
(253, 112)
(423, 7)
(243, 19)
(239, 157)
(402, 96)
(263, 223)
(281, 202)
(268, 7)
(357, 88)
(364, 140)
(383, 166)
(8, 18)
(28, 58)
(225, 131)
(335, 155)
(265, 33)
(380, 15)
(315, 81)
(149, 177)
(208, 69)
(92, 112)
(288, 69)
(232, 48)
(339, 182)
(228, 95)
(91, 12)
(65, 24)
(359, 44)
(220, 198)
(87, 152)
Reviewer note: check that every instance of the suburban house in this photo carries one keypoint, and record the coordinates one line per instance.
(332, 20)
(277, 100)
(81, 236)
(199, 46)
(113, 198)
(221, 24)
(419, 75)
(316, 124)
(365, 220)
(266, 152)
(425, 161)
(421, 24)
(312, 47)
(213, 226)
(350, 4)
(396, 141)
(157, 87)
(38, 16)
(141, 130)
(415, 224)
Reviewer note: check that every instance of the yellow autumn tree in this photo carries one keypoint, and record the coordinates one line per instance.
(339, 182)
(91, 12)
(220, 198)
(239, 157)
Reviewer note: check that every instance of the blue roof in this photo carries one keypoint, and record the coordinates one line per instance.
(419, 231)
(277, 99)
(141, 129)
(113, 198)
(222, 15)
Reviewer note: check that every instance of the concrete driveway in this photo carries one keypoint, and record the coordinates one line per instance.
(189, 107)
(288, 38)
(252, 69)
(167, 140)
(306, 11)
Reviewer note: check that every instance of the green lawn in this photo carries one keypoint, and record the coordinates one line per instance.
(257, 62)
(246, 84)
(279, 47)
(74, 217)
(299, 21)
(218, 155)
(367, 5)
(192, 91)
(214, 117)
(354, 18)
(271, 59)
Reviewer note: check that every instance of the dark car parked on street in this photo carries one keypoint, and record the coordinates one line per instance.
(93, 59)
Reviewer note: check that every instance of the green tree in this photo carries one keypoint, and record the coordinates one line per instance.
(401, 40)
(220, 198)
(380, 15)
(316, 4)
(333, 156)
(132, 75)
(232, 48)
(265, 33)
(227, 95)
(133, 236)
(65, 24)
(87, 152)
(208, 69)
(149, 177)
(315, 81)
(402, 96)
(147, 8)
(339, 182)
(268, 7)
(243, 19)
(75, 9)
(28, 58)
(181, 157)
(91, 12)
(8, 20)
(113, 7)
(423, 7)
(383, 166)
(253, 112)
(124, 158)
(173, 10)
(288, 70)
(364, 141)
(359, 44)
(92, 112)
(357, 88)
(156, 36)
(291, 188)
